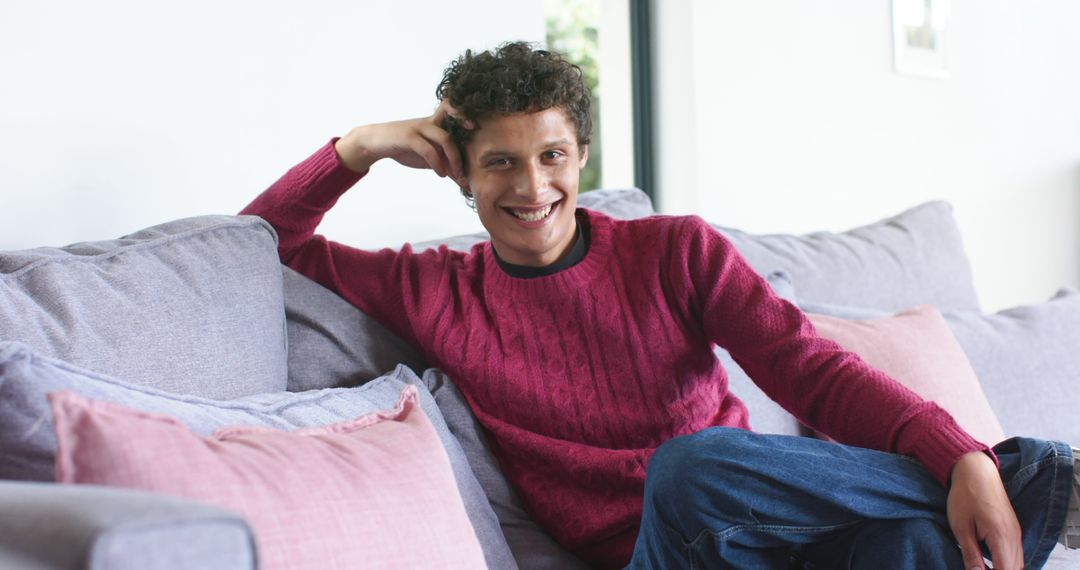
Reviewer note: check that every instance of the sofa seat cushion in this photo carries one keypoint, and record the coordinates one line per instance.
(192, 306)
(1062, 559)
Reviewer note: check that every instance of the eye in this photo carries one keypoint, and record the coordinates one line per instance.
(499, 162)
(552, 154)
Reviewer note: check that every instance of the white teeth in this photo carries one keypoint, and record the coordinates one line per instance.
(535, 216)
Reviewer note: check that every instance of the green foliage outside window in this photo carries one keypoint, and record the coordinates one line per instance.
(572, 31)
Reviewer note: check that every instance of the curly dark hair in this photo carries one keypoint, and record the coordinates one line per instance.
(513, 78)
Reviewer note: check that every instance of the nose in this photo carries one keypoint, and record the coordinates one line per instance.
(533, 182)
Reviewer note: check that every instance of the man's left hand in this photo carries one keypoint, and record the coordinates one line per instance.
(980, 511)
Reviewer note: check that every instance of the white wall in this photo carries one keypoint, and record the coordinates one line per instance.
(120, 114)
(786, 116)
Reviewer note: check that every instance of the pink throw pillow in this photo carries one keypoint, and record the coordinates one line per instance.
(373, 492)
(918, 350)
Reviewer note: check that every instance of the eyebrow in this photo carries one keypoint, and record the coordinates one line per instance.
(496, 152)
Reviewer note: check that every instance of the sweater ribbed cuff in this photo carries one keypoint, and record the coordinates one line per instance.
(941, 447)
(324, 177)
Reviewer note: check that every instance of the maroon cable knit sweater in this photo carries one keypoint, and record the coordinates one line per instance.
(579, 376)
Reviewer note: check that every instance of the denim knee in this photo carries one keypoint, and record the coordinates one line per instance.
(679, 460)
(687, 469)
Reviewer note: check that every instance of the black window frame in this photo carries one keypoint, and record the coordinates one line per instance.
(641, 60)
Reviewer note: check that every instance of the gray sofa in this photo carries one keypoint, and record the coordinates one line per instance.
(197, 318)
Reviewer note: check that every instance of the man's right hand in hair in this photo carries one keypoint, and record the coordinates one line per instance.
(416, 143)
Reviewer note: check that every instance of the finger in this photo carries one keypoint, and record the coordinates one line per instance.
(969, 548)
(446, 168)
(442, 140)
(1005, 551)
(430, 153)
(445, 109)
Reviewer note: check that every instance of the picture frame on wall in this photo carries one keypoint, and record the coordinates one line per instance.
(921, 37)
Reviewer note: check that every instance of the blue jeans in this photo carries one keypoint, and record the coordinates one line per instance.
(728, 498)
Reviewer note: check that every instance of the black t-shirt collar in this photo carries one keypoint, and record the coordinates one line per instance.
(577, 253)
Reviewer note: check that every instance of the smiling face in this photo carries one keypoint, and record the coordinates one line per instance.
(523, 173)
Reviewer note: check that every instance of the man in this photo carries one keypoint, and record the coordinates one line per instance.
(583, 344)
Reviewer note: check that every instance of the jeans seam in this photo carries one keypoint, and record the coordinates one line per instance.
(1035, 467)
(1057, 509)
(723, 535)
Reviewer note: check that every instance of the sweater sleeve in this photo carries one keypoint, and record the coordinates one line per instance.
(296, 204)
(826, 387)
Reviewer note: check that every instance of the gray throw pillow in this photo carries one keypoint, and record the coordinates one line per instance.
(912, 258)
(1027, 360)
(191, 306)
(28, 443)
(533, 548)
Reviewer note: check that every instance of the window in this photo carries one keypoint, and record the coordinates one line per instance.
(595, 35)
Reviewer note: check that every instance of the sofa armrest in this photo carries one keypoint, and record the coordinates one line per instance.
(52, 526)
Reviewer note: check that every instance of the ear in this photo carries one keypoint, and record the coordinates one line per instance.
(584, 155)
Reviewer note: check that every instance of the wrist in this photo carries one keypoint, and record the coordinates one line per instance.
(352, 153)
(975, 462)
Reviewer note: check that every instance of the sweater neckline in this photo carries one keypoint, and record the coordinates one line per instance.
(567, 280)
(576, 254)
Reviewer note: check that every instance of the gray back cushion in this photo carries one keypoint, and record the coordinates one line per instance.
(911, 258)
(1027, 360)
(621, 204)
(332, 343)
(191, 306)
